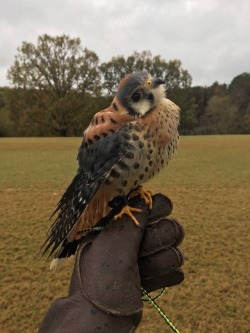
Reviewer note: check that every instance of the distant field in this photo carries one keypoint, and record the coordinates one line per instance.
(209, 183)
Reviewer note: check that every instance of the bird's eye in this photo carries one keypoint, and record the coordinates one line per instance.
(136, 96)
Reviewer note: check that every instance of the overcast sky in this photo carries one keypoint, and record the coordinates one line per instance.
(210, 37)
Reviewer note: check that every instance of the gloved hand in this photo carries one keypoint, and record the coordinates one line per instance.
(112, 265)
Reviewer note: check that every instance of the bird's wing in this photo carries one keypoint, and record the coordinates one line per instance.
(102, 147)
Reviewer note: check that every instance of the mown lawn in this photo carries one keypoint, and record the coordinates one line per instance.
(209, 183)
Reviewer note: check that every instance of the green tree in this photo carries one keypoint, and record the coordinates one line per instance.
(6, 125)
(188, 116)
(239, 90)
(202, 96)
(62, 72)
(221, 115)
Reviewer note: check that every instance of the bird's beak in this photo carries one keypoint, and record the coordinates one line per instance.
(156, 82)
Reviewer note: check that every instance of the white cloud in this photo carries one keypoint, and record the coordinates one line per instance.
(210, 37)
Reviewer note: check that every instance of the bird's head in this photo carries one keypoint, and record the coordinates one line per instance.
(139, 93)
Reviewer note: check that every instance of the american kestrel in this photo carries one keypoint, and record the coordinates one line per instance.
(124, 146)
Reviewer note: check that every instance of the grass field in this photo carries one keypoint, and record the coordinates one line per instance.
(209, 183)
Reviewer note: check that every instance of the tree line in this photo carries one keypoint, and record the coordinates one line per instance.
(57, 86)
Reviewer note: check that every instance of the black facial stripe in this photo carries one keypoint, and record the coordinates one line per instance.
(150, 97)
(131, 111)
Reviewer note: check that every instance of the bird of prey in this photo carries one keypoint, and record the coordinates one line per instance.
(124, 145)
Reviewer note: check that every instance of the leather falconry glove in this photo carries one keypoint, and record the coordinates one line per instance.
(105, 288)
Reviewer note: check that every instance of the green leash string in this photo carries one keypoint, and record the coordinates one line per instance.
(156, 296)
(148, 298)
(159, 310)
(85, 231)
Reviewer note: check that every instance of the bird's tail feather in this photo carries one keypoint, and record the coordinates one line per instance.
(71, 206)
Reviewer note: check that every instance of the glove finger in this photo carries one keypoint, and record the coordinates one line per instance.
(160, 235)
(163, 281)
(162, 206)
(160, 262)
(158, 268)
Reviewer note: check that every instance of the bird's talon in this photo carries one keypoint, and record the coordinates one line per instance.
(144, 194)
(128, 210)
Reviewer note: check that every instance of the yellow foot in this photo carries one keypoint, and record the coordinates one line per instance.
(127, 210)
(146, 195)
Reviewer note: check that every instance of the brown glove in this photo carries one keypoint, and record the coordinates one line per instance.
(159, 258)
(105, 288)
